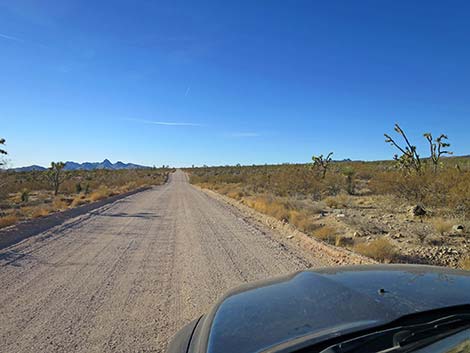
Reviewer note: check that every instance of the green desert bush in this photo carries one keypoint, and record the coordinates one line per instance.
(25, 195)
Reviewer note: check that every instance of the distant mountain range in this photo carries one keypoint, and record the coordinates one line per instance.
(106, 164)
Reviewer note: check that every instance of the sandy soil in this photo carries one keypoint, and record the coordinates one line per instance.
(127, 276)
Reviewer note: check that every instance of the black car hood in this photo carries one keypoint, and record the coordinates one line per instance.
(325, 302)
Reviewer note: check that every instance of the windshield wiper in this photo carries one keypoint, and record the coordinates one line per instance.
(404, 338)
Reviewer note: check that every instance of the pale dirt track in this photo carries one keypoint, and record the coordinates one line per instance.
(126, 277)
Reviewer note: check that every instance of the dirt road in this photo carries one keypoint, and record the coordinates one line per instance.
(126, 277)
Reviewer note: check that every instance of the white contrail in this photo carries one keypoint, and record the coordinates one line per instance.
(167, 123)
(245, 134)
(5, 36)
(187, 91)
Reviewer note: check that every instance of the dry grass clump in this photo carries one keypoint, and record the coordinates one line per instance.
(326, 233)
(59, 204)
(465, 263)
(78, 201)
(302, 220)
(380, 249)
(100, 194)
(283, 211)
(338, 201)
(127, 187)
(270, 207)
(40, 212)
(8, 220)
(441, 225)
(343, 241)
(237, 195)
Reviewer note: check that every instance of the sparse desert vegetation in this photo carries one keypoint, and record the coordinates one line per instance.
(411, 209)
(27, 195)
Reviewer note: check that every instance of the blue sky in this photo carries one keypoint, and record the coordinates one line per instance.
(238, 82)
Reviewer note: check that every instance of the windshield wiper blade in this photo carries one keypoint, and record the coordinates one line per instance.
(435, 328)
(404, 338)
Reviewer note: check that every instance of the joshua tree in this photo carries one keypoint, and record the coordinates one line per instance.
(2, 151)
(321, 163)
(2, 162)
(436, 148)
(349, 172)
(409, 160)
(55, 176)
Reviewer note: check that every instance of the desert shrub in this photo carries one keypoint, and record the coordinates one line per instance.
(380, 249)
(449, 188)
(100, 194)
(326, 233)
(8, 220)
(339, 201)
(78, 200)
(343, 241)
(59, 204)
(237, 195)
(25, 195)
(441, 225)
(40, 212)
(349, 173)
(465, 263)
(459, 195)
(334, 184)
(16, 188)
(270, 207)
(331, 202)
(413, 187)
(302, 220)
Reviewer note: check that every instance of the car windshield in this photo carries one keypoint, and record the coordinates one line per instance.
(156, 155)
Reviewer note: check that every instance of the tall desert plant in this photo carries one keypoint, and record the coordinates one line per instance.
(349, 173)
(2, 151)
(437, 148)
(322, 163)
(409, 159)
(55, 175)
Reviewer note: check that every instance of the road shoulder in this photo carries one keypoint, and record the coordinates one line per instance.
(299, 242)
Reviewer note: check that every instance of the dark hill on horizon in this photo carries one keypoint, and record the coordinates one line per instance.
(106, 164)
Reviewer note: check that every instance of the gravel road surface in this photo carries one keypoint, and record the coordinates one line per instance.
(127, 276)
